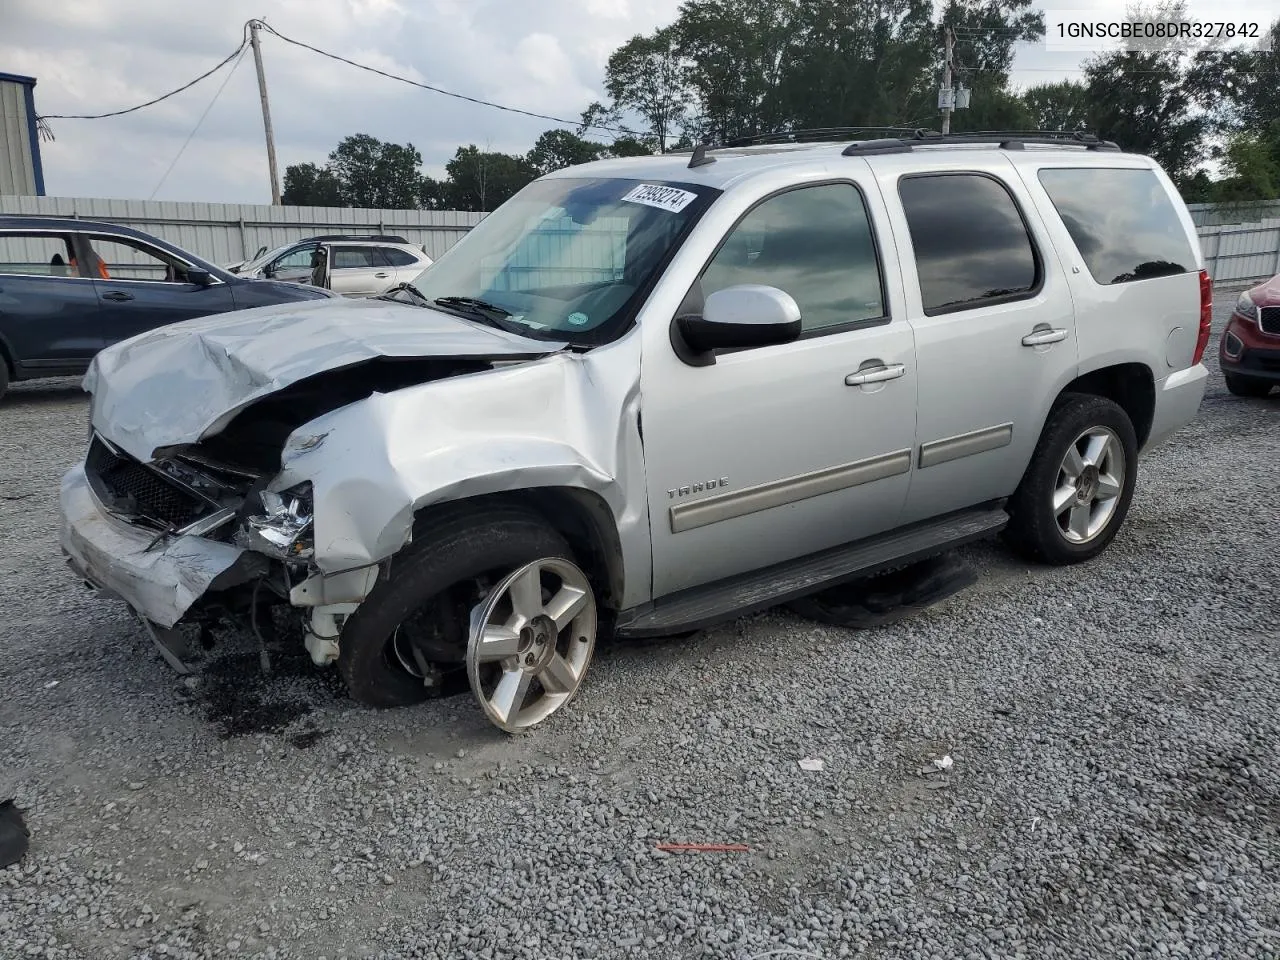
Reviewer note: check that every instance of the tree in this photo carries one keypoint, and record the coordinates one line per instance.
(1058, 106)
(1251, 168)
(376, 174)
(648, 75)
(556, 149)
(480, 180)
(306, 185)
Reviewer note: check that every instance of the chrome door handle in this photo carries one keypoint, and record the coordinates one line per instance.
(1041, 337)
(891, 371)
(381, 276)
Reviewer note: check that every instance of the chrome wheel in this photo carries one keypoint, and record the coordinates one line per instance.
(1090, 482)
(530, 643)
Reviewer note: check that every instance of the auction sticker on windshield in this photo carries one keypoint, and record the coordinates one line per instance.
(664, 198)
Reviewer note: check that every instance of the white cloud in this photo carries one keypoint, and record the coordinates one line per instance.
(91, 57)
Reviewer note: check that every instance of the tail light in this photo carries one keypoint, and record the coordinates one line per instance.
(1206, 315)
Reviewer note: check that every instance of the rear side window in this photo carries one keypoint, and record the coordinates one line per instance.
(352, 257)
(1122, 221)
(971, 244)
(37, 254)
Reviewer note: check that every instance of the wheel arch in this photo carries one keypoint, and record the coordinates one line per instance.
(581, 516)
(1129, 385)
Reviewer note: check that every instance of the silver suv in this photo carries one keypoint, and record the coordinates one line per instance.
(348, 265)
(650, 394)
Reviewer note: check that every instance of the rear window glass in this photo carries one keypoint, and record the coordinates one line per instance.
(1122, 221)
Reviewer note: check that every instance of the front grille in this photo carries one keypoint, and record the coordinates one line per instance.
(1269, 320)
(132, 489)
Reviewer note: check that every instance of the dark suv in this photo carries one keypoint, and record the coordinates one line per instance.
(68, 288)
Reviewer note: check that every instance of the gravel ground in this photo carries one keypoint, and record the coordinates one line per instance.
(1115, 789)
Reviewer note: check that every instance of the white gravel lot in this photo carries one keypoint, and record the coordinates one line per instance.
(1115, 730)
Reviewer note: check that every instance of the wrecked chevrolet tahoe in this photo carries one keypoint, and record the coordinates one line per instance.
(646, 395)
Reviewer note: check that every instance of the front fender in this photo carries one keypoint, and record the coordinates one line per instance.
(569, 420)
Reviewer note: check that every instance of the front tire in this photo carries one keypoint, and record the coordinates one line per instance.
(1078, 487)
(1245, 386)
(433, 585)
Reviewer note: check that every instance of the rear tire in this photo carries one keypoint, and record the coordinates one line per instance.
(469, 548)
(4, 374)
(1242, 385)
(1060, 519)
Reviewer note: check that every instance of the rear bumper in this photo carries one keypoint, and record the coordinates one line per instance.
(160, 583)
(1178, 399)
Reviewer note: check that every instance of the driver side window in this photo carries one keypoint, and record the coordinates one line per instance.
(814, 243)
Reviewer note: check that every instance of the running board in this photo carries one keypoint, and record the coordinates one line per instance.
(716, 602)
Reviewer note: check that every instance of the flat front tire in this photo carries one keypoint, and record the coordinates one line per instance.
(1076, 491)
(434, 585)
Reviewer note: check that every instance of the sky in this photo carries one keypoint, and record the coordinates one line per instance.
(547, 56)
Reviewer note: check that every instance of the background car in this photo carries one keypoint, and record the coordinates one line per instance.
(1250, 348)
(356, 266)
(68, 288)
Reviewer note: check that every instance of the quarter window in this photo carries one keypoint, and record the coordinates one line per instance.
(1122, 222)
(396, 258)
(37, 254)
(971, 243)
(814, 243)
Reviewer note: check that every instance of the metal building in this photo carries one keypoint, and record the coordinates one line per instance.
(20, 171)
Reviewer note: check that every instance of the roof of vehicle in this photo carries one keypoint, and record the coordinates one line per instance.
(721, 166)
(72, 225)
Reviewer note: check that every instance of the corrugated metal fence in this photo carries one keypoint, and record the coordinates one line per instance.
(230, 232)
(1240, 241)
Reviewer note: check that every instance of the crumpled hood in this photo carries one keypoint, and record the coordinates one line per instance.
(177, 383)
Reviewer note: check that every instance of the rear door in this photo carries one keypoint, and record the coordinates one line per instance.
(994, 327)
(48, 312)
(141, 287)
(358, 270)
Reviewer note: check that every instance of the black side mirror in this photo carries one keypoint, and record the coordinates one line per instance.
(748, 315)
(201, 278)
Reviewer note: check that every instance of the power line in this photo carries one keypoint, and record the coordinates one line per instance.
(186, 86)
(225, 80)
(434, 89)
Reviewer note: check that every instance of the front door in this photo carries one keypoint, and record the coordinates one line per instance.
(141, 287)
(775, 452)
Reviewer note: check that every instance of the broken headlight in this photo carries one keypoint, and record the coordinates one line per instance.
(282, 528)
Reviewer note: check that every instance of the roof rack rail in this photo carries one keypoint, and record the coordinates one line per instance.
(1006, 139)
(383, 238)
(813, 135)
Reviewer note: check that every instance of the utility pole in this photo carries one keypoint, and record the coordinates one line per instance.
(948, 95)
(266, 113)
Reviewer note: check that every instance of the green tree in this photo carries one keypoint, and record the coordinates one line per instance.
(1251, 168)
(648, 75)
(376, 174)
(556, 149)
(481, 180)
(1058, 106)
(306, 185)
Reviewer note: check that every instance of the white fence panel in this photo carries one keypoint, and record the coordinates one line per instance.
(229, 232)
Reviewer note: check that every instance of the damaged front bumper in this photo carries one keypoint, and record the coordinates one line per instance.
(160, 581)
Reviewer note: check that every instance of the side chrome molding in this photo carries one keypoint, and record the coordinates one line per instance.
(777, 493)
(965, 444)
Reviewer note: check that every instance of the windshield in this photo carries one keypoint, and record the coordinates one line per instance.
(566, 259)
